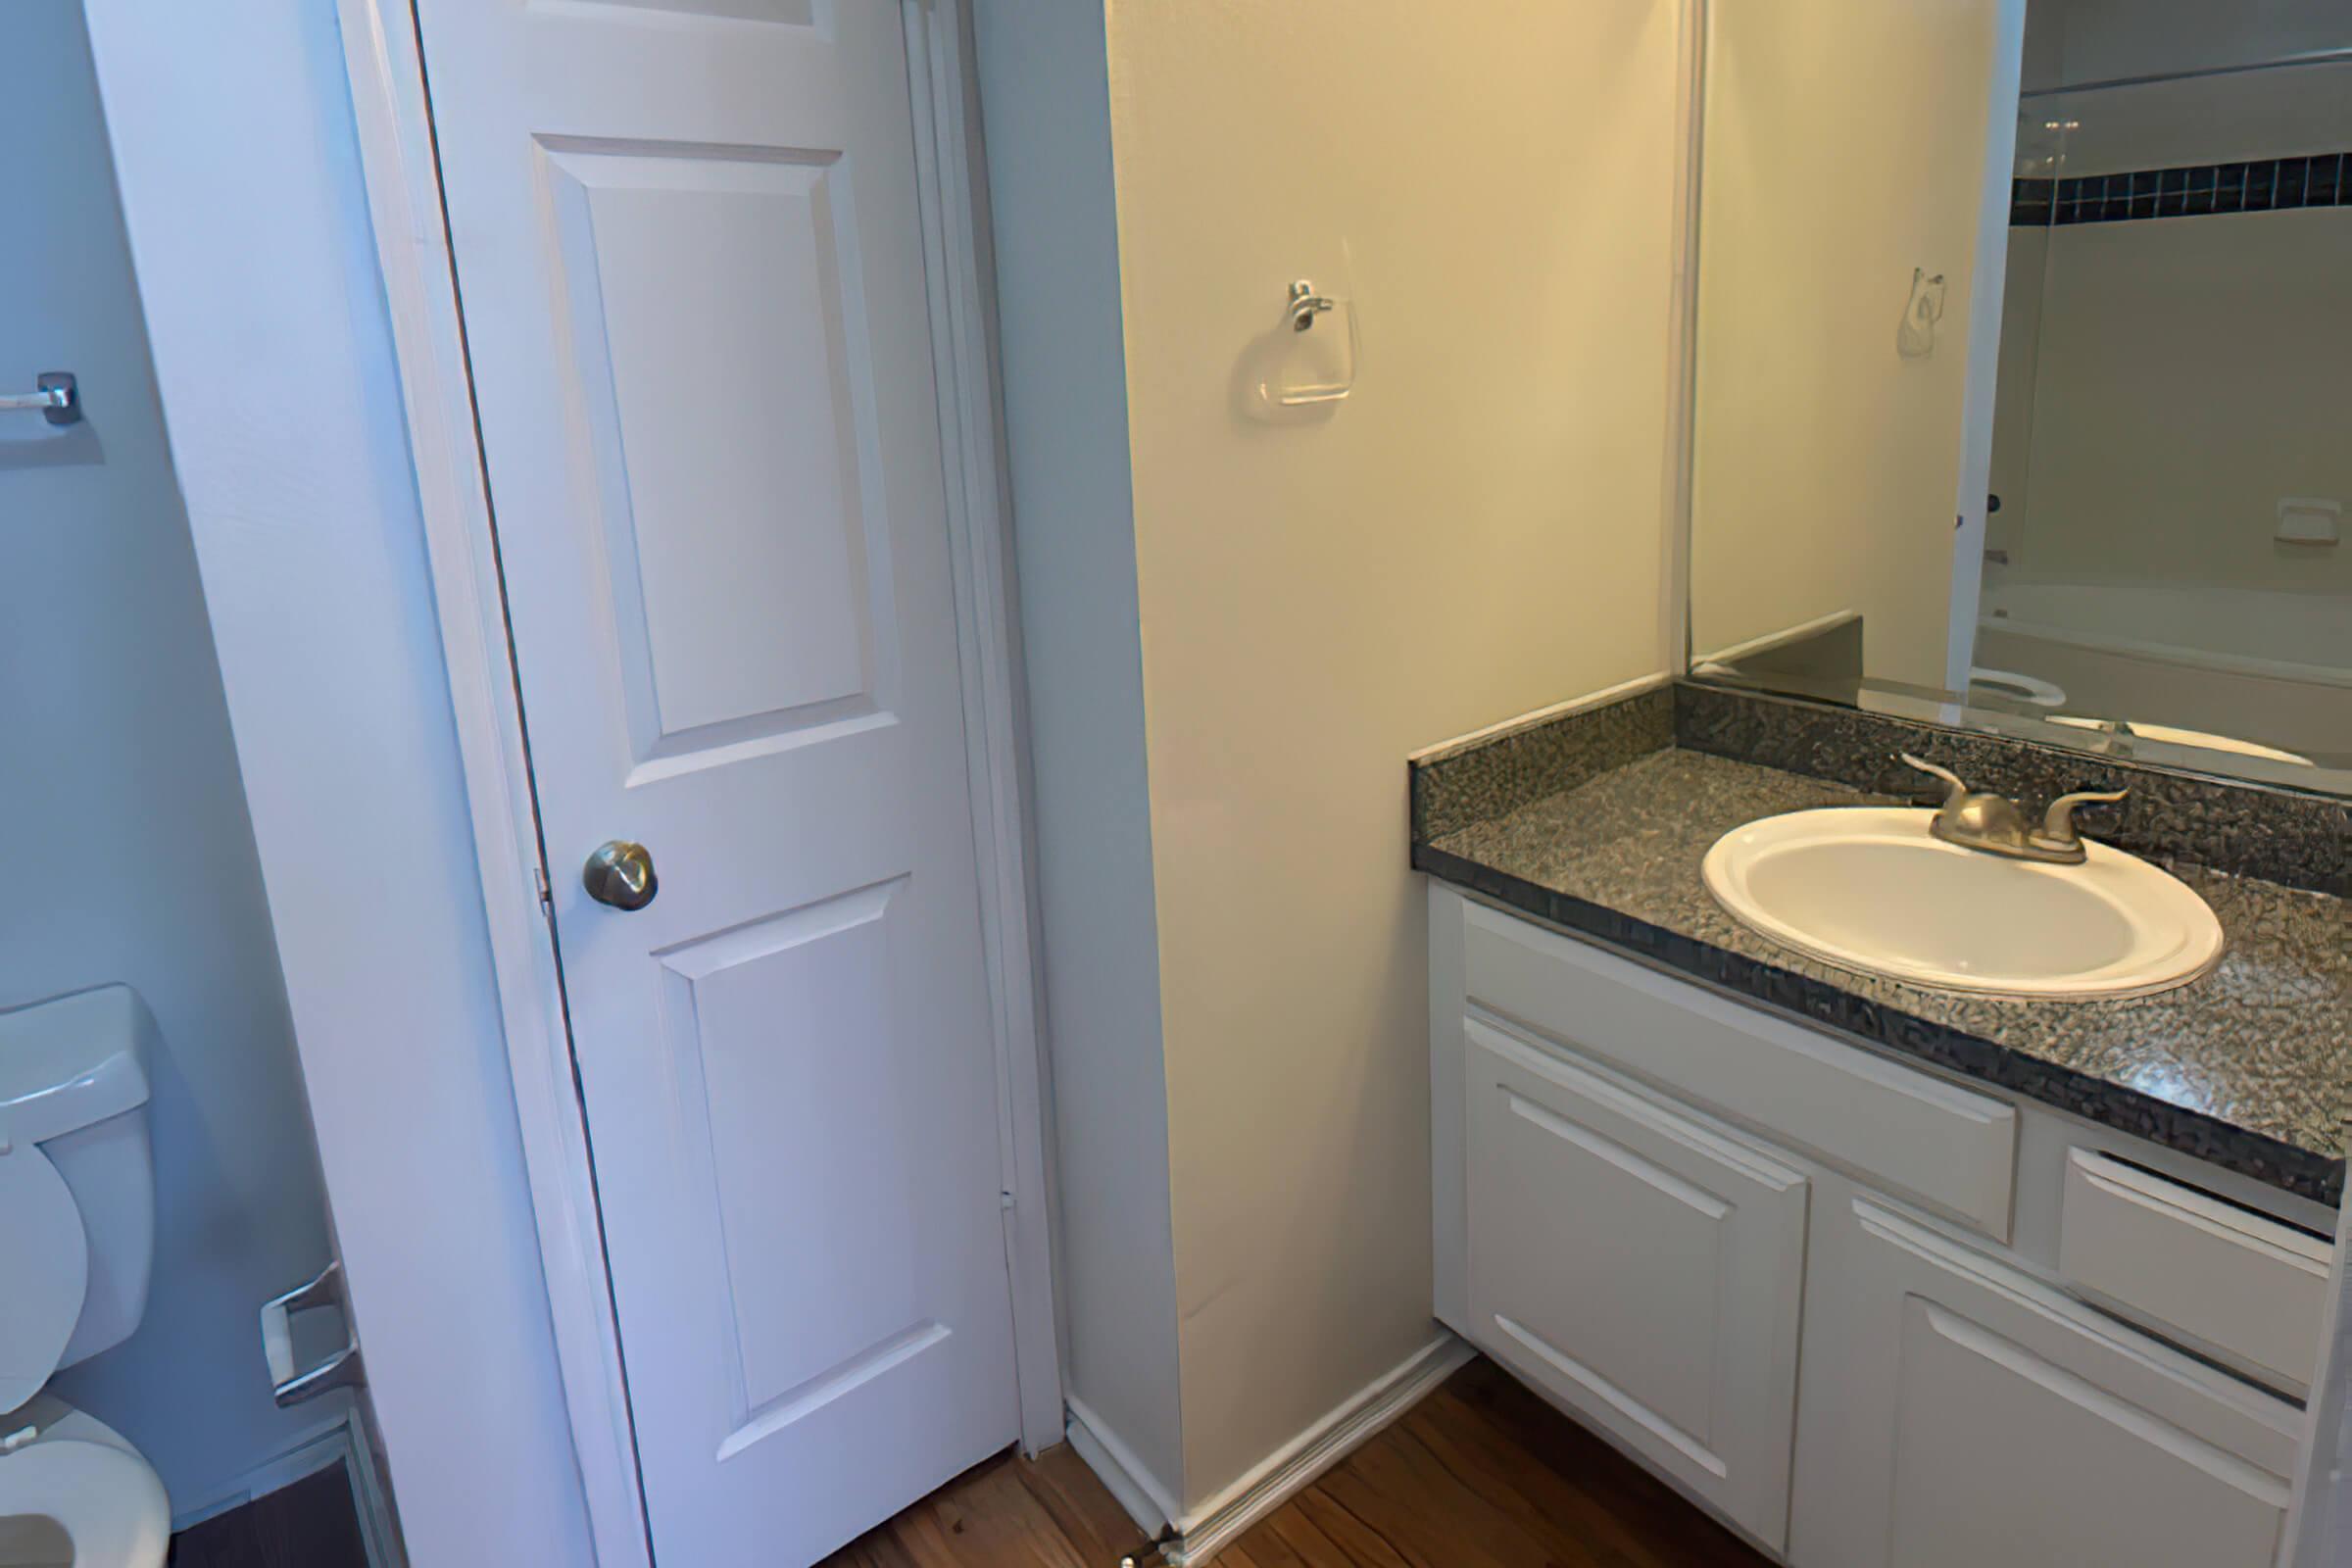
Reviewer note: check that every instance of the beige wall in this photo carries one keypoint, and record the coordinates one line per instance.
(1827, 468)
(1475, 533)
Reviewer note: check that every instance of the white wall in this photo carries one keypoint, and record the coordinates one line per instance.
(2164, 453)
(234, 149)
(1847, 145)
(2326, 1531)
(2100, 40)
(2199, 120)
(2180, 377)
(130, 856)
(1045, 101)
(2028, 260)
(1476, 533)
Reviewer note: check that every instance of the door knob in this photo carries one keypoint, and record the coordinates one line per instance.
(621, 874)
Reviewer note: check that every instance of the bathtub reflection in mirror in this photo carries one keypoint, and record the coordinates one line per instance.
(2099, 499)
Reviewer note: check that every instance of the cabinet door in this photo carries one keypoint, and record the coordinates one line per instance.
(1975, 1416)
(1641, 1267)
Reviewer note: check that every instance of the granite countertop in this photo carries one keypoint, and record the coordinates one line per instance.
(2247, 1068)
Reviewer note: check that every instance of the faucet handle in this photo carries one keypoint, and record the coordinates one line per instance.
(2058, 822)
(1955, 787)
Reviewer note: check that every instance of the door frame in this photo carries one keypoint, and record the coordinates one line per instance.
(1988, 298)
(401, 170)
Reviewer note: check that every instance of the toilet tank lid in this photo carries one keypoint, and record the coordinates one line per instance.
(72, 1061)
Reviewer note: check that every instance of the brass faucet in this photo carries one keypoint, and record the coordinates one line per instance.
(1977, 820)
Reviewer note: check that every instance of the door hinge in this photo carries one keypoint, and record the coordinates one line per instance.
(547, 897)
(1008, 1199)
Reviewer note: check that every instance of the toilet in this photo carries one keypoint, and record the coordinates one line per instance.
(2016, 687)
(76, 1240)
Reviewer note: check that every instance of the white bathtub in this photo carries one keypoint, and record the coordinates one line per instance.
(2271, 667)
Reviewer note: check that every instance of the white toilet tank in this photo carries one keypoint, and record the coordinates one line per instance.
(73, 1085)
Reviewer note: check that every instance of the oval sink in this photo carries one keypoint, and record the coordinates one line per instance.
(1868, 888)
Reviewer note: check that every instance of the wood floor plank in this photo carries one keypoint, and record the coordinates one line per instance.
(878, 1548)
(312, 1523)
(1581, 1529)
(989, 1517)
(1262, 1546)
(1301, 1528)
(1432, 1518)
(1480, 1474)
(1343, 1526)
(1081, 1506)
(1661, 1523)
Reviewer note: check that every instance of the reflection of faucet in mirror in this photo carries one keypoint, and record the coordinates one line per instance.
(1979, 820)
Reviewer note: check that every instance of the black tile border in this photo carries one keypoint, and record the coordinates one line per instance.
(2195, 190)
(2300, 1171)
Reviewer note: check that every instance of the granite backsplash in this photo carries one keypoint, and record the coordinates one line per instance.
(2284, 836)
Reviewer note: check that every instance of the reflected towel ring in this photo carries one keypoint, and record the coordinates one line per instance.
(1914, 338)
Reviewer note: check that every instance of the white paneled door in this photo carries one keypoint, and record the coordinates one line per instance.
(690, 258)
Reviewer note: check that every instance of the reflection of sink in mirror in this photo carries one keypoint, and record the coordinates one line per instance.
(1868, 889)
(2250, 666)
(2172, 735)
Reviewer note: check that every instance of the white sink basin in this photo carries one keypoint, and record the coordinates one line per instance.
(1867, 888)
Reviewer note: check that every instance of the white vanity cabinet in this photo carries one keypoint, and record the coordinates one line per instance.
(1868, 1316)
(1640, 1266)
(1968, 1416)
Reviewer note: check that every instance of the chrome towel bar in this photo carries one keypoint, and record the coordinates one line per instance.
(56, 395)
(341, 1370)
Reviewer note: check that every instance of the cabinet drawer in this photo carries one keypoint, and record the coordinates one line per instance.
(1898, 1128)
(2178, 1260)
(1640, 1267)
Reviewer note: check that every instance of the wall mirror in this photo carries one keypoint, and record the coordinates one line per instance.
(2022, 385)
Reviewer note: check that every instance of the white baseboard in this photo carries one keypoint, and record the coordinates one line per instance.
(377, 1527)
(1148, 1503)
(1199, 1532)
(1289, 1469)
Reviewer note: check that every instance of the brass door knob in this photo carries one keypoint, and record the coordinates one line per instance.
(621, 874)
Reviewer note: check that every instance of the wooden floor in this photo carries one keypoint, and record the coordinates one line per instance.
(315, 1523)
(1480, 1474)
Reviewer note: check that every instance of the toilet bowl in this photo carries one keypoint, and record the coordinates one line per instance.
(75, 1493)
(2016, 687)
(77, 1244)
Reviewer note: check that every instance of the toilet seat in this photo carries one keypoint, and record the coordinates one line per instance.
(79, 1473)
(2018, 687)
